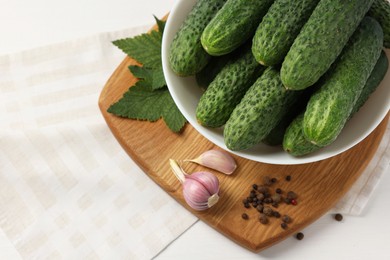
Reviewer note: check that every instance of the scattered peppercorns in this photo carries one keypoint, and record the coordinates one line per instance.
(266, 201)
(338, 217)
(300, 236)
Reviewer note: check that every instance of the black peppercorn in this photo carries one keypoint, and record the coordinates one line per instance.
(291, 195)
(268, 211)
(283, 225)
(273, 180)
(286, 219)
(275, 204)
(260, 196)
(338, 217)
(278, 190)
(245, 216)
(260, 208)
(247, 205)
(276, 214)
(276, 198)
(288, 178)
(262, 189)
(300, 236)
(263, 219)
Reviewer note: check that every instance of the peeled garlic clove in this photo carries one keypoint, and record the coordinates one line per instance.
(218, 160)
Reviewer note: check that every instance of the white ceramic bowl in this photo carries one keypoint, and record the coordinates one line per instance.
(186, 94)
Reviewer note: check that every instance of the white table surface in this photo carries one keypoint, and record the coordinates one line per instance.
(27, 24)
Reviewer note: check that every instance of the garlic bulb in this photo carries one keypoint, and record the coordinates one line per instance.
(218, 160)
(200, 189)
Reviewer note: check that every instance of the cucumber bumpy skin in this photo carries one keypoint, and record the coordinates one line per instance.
(279, 28)
(226, 90)
(321, 40)
(229, 86)
(259, 111)
(276, 136)
(186, 54)
(329, 108)
(295, 142)
(380, 10)
(233, 25)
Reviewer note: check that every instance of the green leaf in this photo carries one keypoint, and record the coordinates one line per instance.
(149, 99)
(158, 78)
(154, 77)
(141, 72)
(172, 116)
(143, 103)
(160, 24)
(144, 48)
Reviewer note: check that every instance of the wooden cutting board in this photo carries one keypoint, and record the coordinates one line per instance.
(319, 185)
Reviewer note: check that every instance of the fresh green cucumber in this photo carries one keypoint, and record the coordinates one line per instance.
(330, 106)
(275, 137)
(186, 54)
(380, 10)
(295, 142)
(279, 28)
(321, 40)
(373, 81)
(235, 23)
(229, 86)
(259, 111)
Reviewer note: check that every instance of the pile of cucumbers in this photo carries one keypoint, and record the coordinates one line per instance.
(282, 72)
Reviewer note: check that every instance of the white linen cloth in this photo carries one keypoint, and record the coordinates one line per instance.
(67, 189)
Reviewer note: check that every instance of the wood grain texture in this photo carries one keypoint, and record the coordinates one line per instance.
(319, 185)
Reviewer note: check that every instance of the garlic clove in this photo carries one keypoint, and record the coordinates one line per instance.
(200, 189)
(218, 160)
